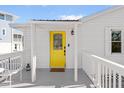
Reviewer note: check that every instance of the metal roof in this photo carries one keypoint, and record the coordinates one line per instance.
(55, 20)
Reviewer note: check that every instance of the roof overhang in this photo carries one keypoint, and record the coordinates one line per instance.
(51, 22)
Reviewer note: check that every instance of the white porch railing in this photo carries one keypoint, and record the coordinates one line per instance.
(104, 73)
(12, 64)
(11, 61)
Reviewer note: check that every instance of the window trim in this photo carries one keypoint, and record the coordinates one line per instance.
(122, 41)
(107, 42)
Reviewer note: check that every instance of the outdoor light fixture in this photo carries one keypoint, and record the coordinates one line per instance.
(72, 32)
(28, 67)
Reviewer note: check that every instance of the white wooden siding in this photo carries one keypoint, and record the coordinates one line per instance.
(93, 34)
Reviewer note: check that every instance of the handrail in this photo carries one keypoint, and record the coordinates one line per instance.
(103, 72)
(9, 55)
(109, 61)
(7, 61)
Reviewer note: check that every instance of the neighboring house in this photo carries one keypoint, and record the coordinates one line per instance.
(59, 44)
(7, 39)
(17, 41)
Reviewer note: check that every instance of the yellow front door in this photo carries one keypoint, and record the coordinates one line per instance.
(57, 49)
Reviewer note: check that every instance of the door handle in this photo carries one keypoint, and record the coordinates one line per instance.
(64, 47)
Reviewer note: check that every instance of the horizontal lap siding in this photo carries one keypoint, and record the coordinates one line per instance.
(93, 33)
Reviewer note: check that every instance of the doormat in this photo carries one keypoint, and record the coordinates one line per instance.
(57, 70)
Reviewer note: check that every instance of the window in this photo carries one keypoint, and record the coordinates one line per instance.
(19, 37)
(4, 32)
(2, 16)
(116, 43)
(15, 46)
(8, 17)
(15, 37)
(57, 41)
(114, 40)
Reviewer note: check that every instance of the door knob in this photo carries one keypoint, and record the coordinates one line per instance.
(64, 51)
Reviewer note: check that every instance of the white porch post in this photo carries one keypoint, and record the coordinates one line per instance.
(33, 56)
(75, 55)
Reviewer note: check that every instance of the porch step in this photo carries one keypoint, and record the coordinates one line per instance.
(57, 70)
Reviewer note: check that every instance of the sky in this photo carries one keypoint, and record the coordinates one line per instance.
(67, 12)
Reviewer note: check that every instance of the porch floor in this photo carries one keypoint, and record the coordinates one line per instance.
(47, 79)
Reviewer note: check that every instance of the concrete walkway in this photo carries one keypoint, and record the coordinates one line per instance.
(47, 79)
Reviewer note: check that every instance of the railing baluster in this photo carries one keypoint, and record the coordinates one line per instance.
(99, 75)
(9, 63)
(4, 64)
(103, 83)
(110, 77)
(14, 64)
(114, 79)
(106, 76)
(120, 81)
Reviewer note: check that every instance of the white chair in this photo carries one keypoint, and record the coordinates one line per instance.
(10, 68)
(9, 73)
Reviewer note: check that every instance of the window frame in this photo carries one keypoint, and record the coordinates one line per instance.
(107, 40)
